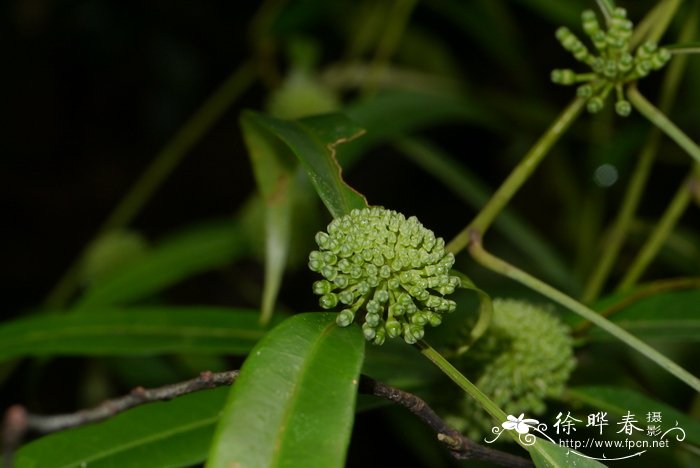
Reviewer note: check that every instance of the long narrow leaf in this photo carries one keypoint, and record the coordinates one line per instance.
(273, 166)
(170, 434)
(314, 140)
(132, 331)
(200, 249)
(293, 402)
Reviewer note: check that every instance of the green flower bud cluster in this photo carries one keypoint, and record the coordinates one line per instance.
(614, 66)
(389, 272)
(524, 358)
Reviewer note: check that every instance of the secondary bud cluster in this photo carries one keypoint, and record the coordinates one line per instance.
(524, 358)
(614, 65)
(389, 272)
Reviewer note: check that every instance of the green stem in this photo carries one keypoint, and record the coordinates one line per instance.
(664, 227)
(394, 29)
(668, 11)
(500, 266)
(659, 119)
(160, 168)
(640, 176)
(654, 23)
(470, 189)
(606, 8)
(623, 220)
(462, 382)
(465, 384)
(689, 49)
(518, 176)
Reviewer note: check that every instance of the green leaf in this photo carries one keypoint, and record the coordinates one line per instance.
(195, 251)
(619, 401)
(669, 316)
(132, 331)
(549, 455)
(294, 400)
(163, 434)
(314, 140)
(273, 166)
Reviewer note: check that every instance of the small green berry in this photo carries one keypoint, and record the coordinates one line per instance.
(328, 301)
(594, 105)
(345, 318)
(564, 77)
(623, 108)
(584, 91)
(590, 22)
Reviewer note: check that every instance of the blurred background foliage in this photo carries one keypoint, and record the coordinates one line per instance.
(452, 93)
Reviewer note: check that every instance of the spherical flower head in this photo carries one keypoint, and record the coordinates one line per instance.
(388, 272)
(525, 357)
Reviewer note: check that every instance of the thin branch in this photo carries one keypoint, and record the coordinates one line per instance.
(18, 422)
(138, 396)
(459, 446)
(520, 174)
(659, 119)
(502, 267)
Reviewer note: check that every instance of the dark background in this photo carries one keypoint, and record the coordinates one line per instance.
(93, 89)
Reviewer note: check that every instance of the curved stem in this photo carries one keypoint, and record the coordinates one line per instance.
(518, 176)
(500, 266)
(651, 247)
(659, 119)
(158, 171)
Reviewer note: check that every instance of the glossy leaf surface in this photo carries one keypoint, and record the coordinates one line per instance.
(294, 401)
(314, 141)
(163, 434)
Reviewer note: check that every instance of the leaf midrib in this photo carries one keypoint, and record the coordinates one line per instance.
(144, 441)
(296, 390)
